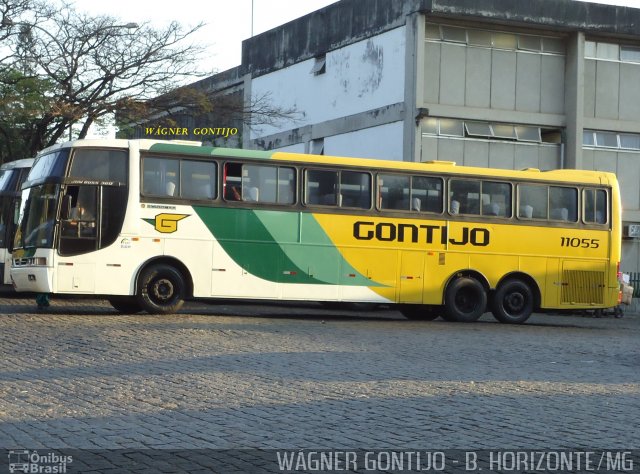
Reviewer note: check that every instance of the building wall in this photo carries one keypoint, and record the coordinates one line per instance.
(499, 79)
(611, 135)
(359, 77)
(383, 142)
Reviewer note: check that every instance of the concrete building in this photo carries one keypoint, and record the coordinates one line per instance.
(496, 83)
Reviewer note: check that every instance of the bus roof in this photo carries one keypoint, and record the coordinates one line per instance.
(445, 167)
(23, 163)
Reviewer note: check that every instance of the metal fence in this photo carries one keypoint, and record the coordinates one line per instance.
(634, 280)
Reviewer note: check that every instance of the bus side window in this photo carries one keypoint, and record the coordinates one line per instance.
(465, 197)
(563, 203)
(428, 192)
(496, 199)
(394, 192)
(198, 179)
(595, 206)
(160, 176)
(532, 201)
(232, 181)
(321, 187)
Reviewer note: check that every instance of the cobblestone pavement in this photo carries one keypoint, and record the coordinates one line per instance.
(264, 376)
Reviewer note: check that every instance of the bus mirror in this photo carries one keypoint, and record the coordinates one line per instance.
(65, 212)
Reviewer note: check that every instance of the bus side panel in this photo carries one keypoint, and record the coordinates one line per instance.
(195, 255)
(550, 297)
(380, 266)
(439, 270)
(411, 282)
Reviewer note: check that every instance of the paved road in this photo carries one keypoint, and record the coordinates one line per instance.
(265, 376)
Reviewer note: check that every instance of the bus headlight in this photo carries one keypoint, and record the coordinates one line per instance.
(29, 262)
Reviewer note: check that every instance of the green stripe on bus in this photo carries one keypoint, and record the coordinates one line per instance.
(209, 151)
(278, 246)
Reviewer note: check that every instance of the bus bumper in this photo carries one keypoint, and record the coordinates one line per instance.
(33, 279)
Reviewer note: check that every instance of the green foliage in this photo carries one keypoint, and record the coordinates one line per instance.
(23, 100)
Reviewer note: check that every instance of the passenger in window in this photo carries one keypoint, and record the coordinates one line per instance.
(80, 212)
(233, 193)
(454, 208)
(327, 193)
(170, 188)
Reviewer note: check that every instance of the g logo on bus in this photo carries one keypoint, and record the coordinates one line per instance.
(166, 223)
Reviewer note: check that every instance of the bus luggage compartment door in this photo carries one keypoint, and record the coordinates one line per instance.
(76, 277)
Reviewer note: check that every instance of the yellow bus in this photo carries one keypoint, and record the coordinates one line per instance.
(149, 224)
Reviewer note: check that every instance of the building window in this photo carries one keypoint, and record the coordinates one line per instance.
(528, 134)
(319, 66)
(630, 54)
(601, 139)
(451, 127)
(529, 43)
(478, 129)
(459, 128)
(454, 34)
(494, 39)
(611, 52)
(607, 139)
(630, 141)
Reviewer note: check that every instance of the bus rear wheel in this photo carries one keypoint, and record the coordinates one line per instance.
(161, 289)
(512, 302)
(465, 300)
(419, 312)
(125, 304)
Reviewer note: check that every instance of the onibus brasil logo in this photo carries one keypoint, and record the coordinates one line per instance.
(166, 223)
(23, 460)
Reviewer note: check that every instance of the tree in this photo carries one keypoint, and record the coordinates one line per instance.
(198, 103)
(23, 100)
(84, 68)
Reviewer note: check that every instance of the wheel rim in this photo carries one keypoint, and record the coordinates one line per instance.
(466, 300)
(514, 303)
(162, 290)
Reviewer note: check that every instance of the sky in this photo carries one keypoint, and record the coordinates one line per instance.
(228, 23)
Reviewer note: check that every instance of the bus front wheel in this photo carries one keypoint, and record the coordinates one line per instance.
(161, 289)
(513, 302)
(465, 300)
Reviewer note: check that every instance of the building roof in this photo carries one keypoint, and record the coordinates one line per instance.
(348, 21)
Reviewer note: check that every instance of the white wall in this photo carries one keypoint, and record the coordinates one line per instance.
(382, 142)
(297, 148)
(359, 77)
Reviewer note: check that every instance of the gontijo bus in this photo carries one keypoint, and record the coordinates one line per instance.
(12, 175)
(149, 224)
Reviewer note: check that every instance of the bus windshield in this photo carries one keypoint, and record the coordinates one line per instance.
(37, 217)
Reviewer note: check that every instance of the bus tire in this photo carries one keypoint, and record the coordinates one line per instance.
(161, 289)
(417, 312)
(512, 302)
(125, 304)
(465, 300)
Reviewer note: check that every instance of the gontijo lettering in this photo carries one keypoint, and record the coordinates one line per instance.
(424, 233)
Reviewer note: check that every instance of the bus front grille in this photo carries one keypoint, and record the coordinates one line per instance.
(582, 287)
